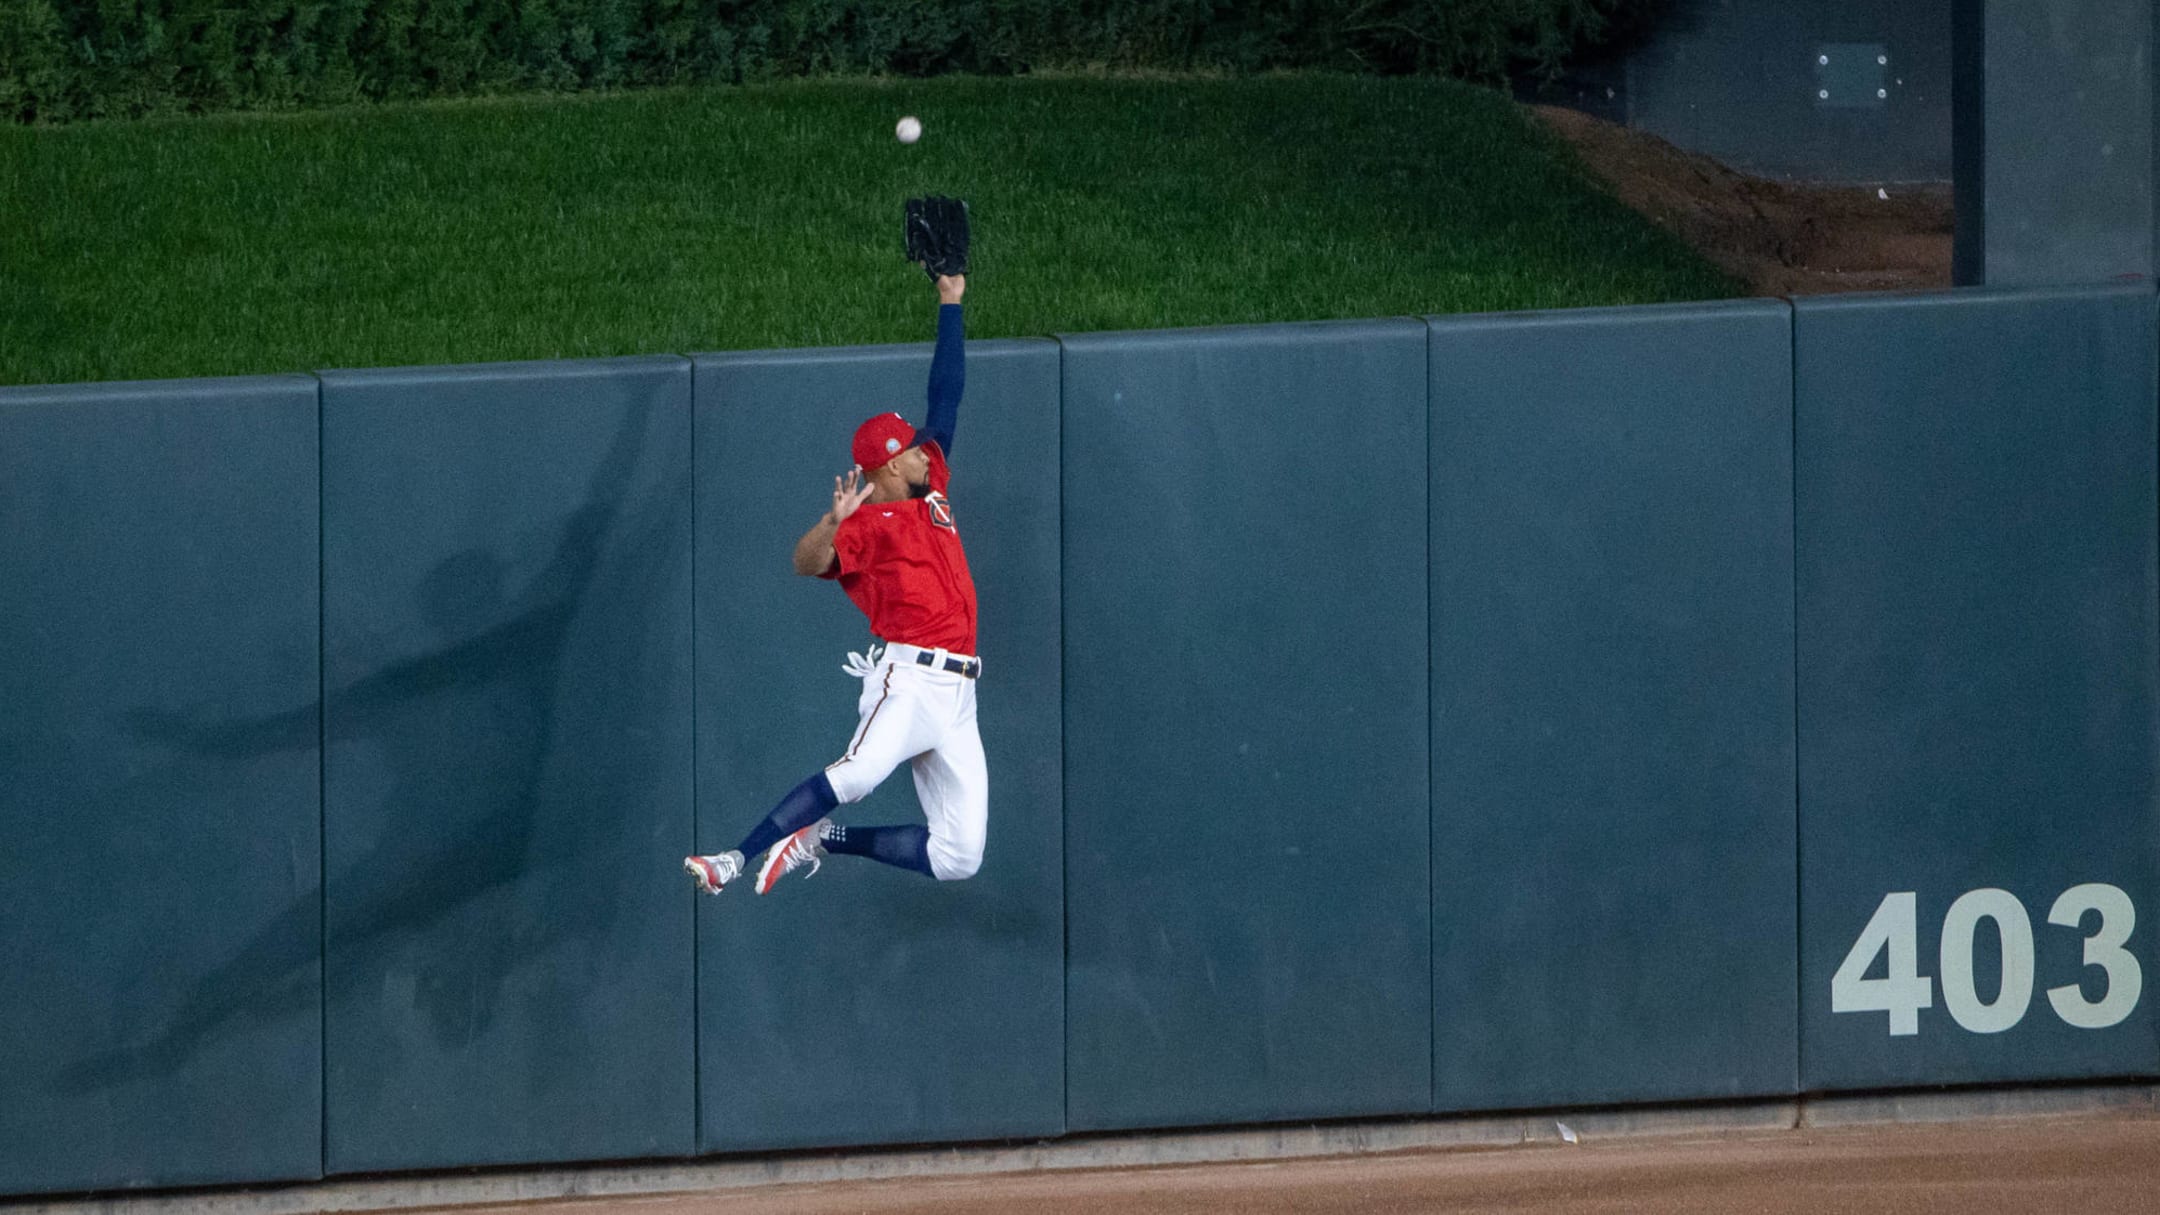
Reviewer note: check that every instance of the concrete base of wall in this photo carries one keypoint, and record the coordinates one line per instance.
(1128, 1150)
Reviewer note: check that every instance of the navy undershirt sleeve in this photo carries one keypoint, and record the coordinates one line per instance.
(948, 376)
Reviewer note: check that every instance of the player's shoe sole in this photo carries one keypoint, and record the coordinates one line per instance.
(790, 854)
(711, 878)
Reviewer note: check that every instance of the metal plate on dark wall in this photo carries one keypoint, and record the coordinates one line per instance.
(1977, 679)
(161, 946)
(869, 1004)
(1830, 90)
(1612, 724)
(1246, 769)
(506, 661)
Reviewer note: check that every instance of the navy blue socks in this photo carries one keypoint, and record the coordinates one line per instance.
(805, 804)
(906, 847)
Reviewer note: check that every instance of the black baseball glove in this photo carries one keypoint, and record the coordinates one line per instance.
(936, 229)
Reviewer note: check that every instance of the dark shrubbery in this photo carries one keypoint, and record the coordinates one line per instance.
(72, 59)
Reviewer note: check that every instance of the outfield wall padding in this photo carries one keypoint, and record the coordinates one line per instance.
(1977, 684)
(868, 1004)
(160, 887)
(1246, 771)
(1612, 706)
(506, 652)
(1501, 712)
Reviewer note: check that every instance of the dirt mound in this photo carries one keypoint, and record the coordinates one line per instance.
(1781, 238)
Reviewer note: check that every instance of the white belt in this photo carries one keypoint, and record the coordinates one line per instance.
(913, 655)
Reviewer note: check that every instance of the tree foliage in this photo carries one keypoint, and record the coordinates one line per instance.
(62, 60)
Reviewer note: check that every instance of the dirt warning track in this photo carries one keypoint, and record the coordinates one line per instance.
(2095, 1165)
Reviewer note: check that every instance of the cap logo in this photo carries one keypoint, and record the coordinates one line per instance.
(892, 446)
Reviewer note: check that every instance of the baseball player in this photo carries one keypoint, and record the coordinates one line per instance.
(891, 542)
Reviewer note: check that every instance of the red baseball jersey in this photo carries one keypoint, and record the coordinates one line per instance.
(902, 564)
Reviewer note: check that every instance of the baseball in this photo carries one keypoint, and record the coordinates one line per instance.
(909, 130)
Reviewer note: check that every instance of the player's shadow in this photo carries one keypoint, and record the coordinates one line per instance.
(466, 785)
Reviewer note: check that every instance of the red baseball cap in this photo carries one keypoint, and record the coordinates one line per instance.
(880, 439)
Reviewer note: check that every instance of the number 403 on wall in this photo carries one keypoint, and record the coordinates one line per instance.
(1894, 929)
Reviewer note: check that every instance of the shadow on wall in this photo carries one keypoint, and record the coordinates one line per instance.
(472, 872)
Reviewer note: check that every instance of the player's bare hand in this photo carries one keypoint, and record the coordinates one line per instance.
(848, 493)
(950, 287)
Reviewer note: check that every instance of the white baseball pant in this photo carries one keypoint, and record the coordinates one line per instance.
(925, 715)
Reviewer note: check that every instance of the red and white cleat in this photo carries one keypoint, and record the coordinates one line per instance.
(792, 853)
(713, 872)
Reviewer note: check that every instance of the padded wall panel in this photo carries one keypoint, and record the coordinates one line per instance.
(868, 1004)
(160, 891)
(1612, 727)
(1246, 768)
(507, 660)
(1976, 501)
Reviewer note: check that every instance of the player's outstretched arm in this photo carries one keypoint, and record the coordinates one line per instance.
(948, 367)
(814, 552)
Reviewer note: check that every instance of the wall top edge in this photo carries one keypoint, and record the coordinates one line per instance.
(228, 387)
(977, 348)
(209, 388)
(534, 369)
(2128, 287)
(1386, 326)
(1609, 314)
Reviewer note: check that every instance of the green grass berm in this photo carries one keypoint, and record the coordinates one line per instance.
(768, 216)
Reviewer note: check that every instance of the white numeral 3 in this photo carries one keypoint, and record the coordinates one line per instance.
(2125, 981)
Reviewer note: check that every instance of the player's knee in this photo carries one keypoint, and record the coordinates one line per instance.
(851, 781)
(954, 860)
(956, 870)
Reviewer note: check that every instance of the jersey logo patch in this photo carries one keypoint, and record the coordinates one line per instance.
(941, 512)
